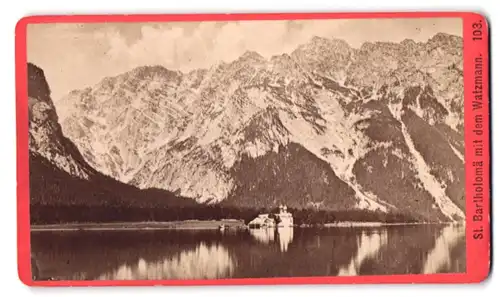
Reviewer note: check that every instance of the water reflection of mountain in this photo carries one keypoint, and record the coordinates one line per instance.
(256, 253)
(125, 254)
(440, 257)
(204, 262)
(368, 247)
(408, 248)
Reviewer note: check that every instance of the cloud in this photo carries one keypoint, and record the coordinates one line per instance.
(75, 56)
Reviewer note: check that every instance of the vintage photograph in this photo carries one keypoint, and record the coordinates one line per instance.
(246, 149)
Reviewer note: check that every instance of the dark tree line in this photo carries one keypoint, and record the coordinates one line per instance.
(56, 197)
(52, 214)
(56, 214)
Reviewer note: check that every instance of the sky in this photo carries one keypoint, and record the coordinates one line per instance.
(75, 56)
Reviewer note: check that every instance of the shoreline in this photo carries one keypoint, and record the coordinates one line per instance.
(137, 226)
(382, 224)
(205, 225)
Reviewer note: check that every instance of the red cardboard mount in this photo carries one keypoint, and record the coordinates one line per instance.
(476, 155)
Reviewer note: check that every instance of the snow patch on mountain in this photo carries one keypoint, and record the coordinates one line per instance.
(457, 153)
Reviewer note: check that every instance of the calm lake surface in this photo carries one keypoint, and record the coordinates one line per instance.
(212, 254)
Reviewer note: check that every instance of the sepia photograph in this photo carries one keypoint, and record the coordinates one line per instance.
(246, 149)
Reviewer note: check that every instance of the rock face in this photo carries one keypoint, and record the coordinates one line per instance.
(327, 126)
(45, 134)
(59, 175)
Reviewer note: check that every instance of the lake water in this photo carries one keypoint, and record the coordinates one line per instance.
(212, 254)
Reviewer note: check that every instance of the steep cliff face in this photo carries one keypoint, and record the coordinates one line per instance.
(379, 127)
(45, 133)
(59, 175)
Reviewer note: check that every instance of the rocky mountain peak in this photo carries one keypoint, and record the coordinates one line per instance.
(251, 56)
(38, 87)
(317, 43)
(446, 39)
(148, 72)
(330, 57)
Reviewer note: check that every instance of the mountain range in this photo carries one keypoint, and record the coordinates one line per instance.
(327, 127)
(59, 175)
